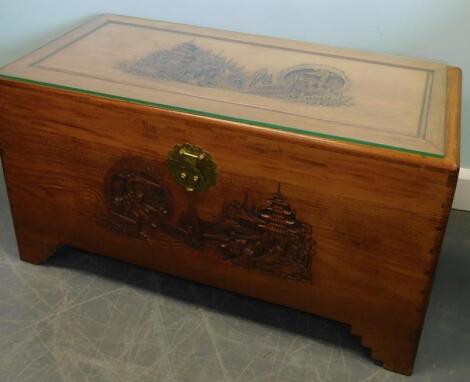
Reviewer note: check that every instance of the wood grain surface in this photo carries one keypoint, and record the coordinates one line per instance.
(377, 216)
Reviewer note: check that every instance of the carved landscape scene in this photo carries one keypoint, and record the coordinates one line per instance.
(265, 237)
(190, 64)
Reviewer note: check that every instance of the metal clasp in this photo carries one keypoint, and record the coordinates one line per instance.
(191, 167)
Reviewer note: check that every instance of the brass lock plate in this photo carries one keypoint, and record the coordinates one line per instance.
(192, 168)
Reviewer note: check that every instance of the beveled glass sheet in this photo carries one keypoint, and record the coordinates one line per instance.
(377, 99)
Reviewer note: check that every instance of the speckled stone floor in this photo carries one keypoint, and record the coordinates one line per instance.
(82, 317)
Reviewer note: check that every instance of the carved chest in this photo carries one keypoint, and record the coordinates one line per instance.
(304, 175)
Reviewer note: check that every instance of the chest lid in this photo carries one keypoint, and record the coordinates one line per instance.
(376, 99)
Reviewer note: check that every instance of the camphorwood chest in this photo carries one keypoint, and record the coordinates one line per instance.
(304, 175)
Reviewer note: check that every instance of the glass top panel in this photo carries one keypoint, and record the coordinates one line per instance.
(377, 99)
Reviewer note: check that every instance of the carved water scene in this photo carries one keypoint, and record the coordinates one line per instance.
(264, 237)
(190, 64)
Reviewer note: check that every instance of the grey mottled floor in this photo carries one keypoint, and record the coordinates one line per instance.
(82, 317)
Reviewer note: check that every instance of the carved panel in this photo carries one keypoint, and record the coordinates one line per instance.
(188, 63)
(264, 237)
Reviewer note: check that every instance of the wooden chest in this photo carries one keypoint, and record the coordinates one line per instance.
(304, 175)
